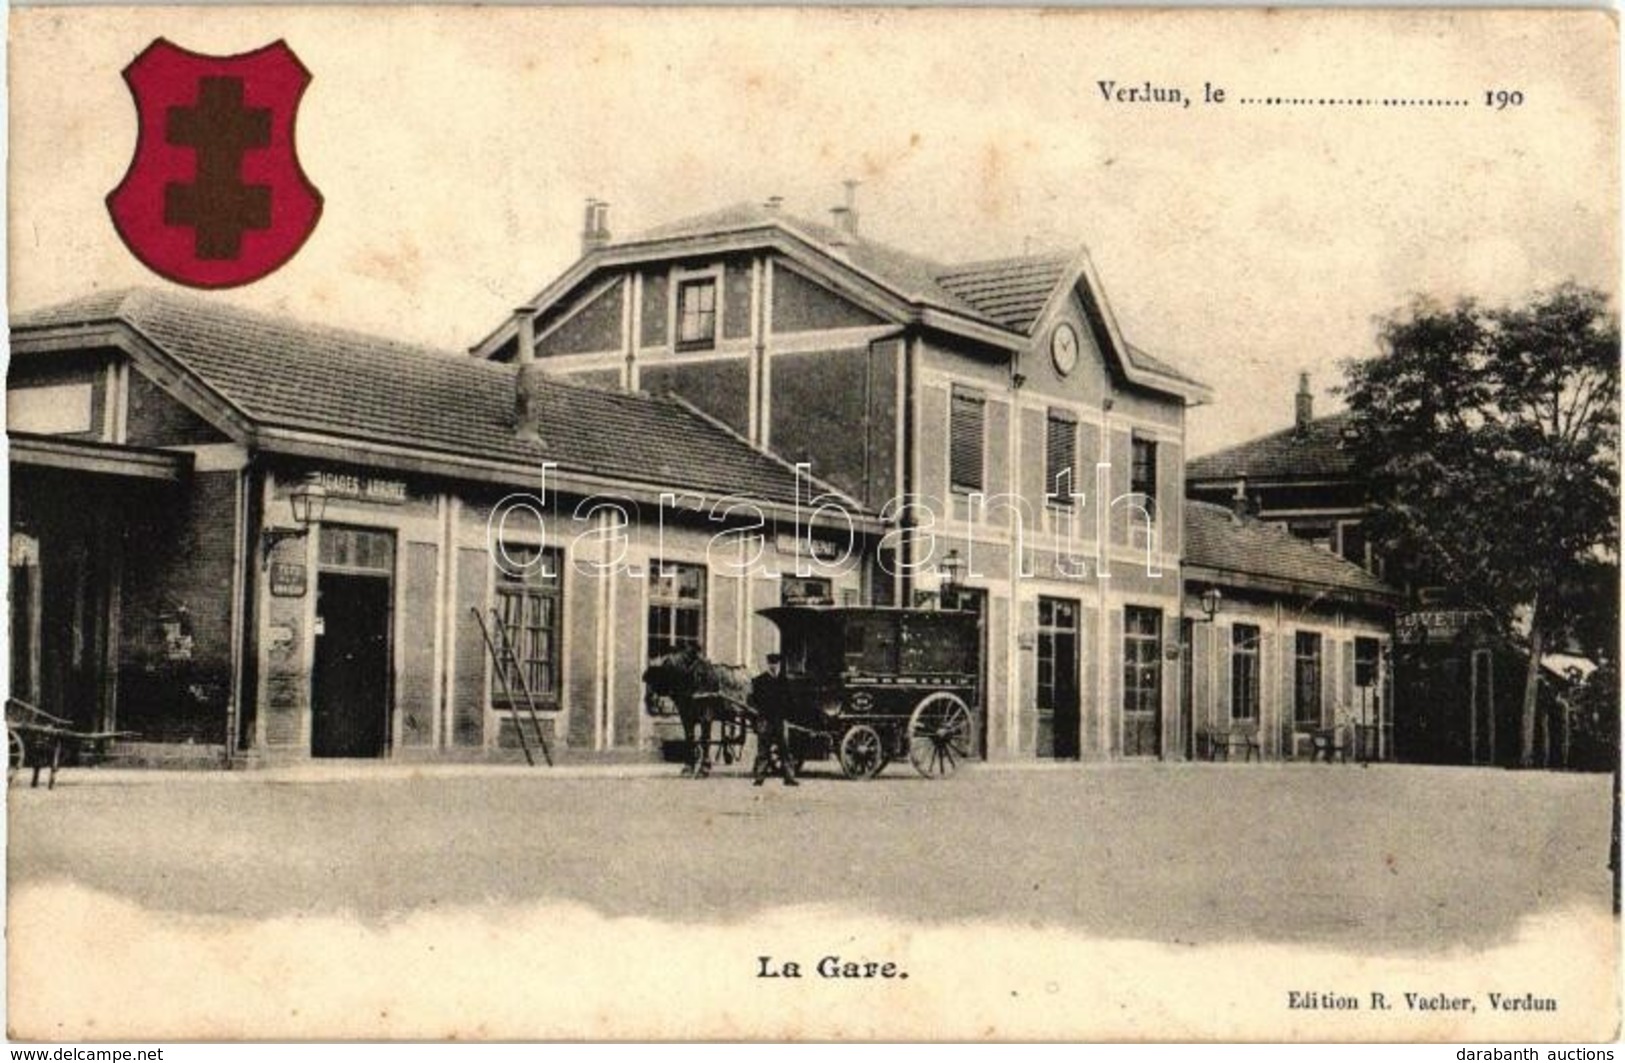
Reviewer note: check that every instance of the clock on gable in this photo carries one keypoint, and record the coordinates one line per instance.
(1063, 348)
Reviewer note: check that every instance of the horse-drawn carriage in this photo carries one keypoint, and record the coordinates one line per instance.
(864, 685)
(872, 685)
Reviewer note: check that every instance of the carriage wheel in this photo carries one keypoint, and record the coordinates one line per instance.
(18, 755)
(732, 740)
(862, 754)
(939, 735)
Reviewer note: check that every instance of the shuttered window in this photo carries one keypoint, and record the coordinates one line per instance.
(966, 430)
(1143, 475)
(1060, 459)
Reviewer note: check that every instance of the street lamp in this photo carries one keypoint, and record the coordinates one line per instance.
(1211, 598)
(308, 500)
(949, 571)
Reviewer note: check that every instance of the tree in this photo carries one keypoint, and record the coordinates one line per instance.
(1491, 438)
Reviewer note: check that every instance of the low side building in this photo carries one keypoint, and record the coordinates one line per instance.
(1292, 652)
(1457, 680)
(240, 538)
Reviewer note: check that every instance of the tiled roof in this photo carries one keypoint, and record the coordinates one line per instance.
(1215, 539)
(1011, 291)
(338, 383)
(1007, 292)
(1315, 454)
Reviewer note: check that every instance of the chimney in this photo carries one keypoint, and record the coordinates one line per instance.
(595, 226)
(527, 415)
(1306, 404)
(846, 216)
(1238, 502)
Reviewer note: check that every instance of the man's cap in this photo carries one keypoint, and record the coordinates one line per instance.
(774, 658)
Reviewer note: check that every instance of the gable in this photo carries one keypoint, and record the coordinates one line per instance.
(1086, 381)
(154, 418)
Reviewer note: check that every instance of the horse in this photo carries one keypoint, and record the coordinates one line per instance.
(703, 691)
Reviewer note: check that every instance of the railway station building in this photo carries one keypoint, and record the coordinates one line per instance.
(735, 411)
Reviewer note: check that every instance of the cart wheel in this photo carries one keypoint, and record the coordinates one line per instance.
(939, 735)
(18, 757)
(862, 754)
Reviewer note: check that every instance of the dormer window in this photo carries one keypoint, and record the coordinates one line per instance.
(697, 313)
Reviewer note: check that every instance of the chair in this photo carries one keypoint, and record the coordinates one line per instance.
(1331, 742)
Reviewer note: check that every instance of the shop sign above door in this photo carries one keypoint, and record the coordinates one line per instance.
(362, 488)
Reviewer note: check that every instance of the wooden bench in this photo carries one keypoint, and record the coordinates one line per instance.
(1211, 742)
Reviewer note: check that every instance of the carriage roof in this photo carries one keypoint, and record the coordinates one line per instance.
(775, 613)
(884, 639)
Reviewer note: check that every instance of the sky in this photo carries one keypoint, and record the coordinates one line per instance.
(1246, 243)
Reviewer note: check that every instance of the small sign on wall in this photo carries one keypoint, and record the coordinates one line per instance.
(281, 639)
(177, 641)
(288, 579)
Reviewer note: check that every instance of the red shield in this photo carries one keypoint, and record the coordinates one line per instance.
(214, 197)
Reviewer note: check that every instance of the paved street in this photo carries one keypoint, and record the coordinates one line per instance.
(1381, 857)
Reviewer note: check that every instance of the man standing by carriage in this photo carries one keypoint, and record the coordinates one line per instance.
(773, 724)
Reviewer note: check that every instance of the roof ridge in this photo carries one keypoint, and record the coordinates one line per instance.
(977, 265)
(136, 297)
(1284, 431)
(1284, 536)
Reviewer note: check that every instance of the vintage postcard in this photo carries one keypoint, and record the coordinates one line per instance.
(829, 524)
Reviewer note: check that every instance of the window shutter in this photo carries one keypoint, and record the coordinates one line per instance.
(965, 436)
(1288, 688)
(1060, 458)
(1269, 709)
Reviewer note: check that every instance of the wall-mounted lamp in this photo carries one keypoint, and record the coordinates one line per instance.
(309, 504)
(1211, 599)
(953, 567)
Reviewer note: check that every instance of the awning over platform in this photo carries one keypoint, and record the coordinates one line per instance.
(103, 459)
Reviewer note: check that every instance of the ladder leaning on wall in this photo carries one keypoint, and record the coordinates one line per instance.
(500, 648)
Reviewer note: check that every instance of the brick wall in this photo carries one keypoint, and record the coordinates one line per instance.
(736, 300)
(414, 700)
(819, 416)
(799, 305)
(468, 695)
(179, 554)
(720, 388)
(656, 293)
(596, 327)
